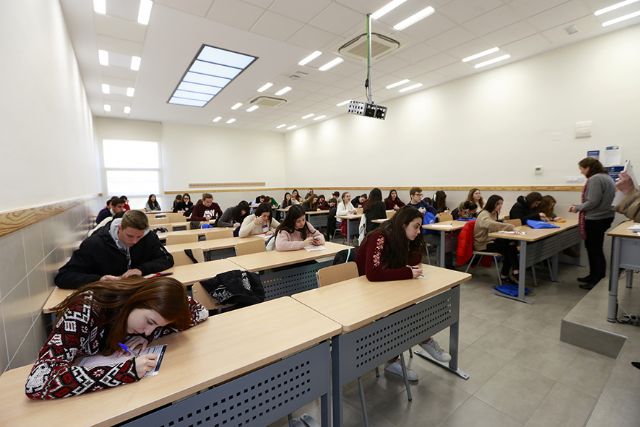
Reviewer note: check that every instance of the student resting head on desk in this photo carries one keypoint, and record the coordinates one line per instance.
(260, 222)
(547, 205)
(528, 207)
(233, 216)
(465, 211)
(394, 251)
(99, 317)
(311, 203)
(295, 232)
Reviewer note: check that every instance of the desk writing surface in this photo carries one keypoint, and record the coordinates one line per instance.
(222, 348)
(191, 273)
(622, 230)
(273, 259)
(380, 221)
(196, 231)
(350, 216)
(321, 212)
(534, 235)
(357, 302)
(211, 245)
(445, 225)
(57, 296)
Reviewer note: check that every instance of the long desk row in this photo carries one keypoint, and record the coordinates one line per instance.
(255, 365)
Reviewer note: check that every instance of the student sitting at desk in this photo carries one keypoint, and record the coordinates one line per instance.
(440, 203)
(547, 205)
(260, 222)
(333, 201)
(630, 205)
(475, 196)
(176, 203)
(295, 198)
(126, 203)
(416, 201)
(121, 249)
(527, 208)
(394, 252)
(465, 212)
(295, 232)
(323, 205)
(344, 208)
(286, 201)
(96, 320)
(206, 209)
(233, 216)
(311, 203)
(374, 208)
(486, 223)
(115, 205)
(393, 201)
(185, 205)
(152, 204)
(359, 201)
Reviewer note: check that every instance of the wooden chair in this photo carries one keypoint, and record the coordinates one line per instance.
(359, 211)
(176, 217)
(390, 213)
(219, 234)
(445, 216)
(182, 238)
(250, 247)
(181, 258)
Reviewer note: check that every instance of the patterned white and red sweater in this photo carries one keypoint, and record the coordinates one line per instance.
(81, 331)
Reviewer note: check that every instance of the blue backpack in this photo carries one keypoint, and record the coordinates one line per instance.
(428, 218)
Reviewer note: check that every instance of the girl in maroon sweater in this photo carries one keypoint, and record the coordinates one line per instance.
(394, 251)
(97, 318)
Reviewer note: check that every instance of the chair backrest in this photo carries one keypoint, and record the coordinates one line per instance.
(336, 273)
(201, 295)
(359, 211)
(182, 238)
(516, 222)
(390, 213)
(219, 234)
(250, 247)
(176, 217)
(181, 258)
(153, 220)
(445, 216)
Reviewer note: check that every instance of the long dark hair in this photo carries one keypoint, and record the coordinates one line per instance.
(289, 222)
(263, 208)
(118, 298)
(375, 196)
(470, 197)
(398, 249)
(391, 192)
(493, 200)
(237, 212)
(285, 202)
(154, 204)
(441, 201)
(594, 166)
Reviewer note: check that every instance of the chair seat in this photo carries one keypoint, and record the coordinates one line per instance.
(484, 253)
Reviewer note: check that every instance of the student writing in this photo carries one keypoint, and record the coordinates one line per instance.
(260, 222)
(295, 232)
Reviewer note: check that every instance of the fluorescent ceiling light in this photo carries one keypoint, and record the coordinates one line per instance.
(217, 119)
(480, 54)
(144, 11)
(307, 116)
(340, 104)
(419, 16)
(386, 8)
(230, 121)
(408, 88)
(283, 90)
(292, 127)
(621, 18)
(265, 87)
(331, 64)
(492, 61)
(211, 70)
(236, 105)
(107, 108)
(320, 117)
(103, 57)
(252, 108)
(596, 13)
(396, 84)
(127, 109)
(281, 126)
(106, 89)
(188, 102)
(130, 91)
(135, 63)
(100, 6)
(310, 57)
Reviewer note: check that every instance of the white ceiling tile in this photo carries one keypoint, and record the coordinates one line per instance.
(429, 27)
(312, 38)
(527, 47)
(559, 15)
(492, 21)
(429, 64)
(119, 28)
(124, 9)
(235, 13)
(514, 32)
(454, 37)
(118, 45)
(527, 8)
(337, 19)
(276, 26)
(363, 6)
(587, 27)
(390, 64)
(265, 4)
(299, 10)
(415, 53)
(463, 10)
(453, 71)
(470, 48)
(192, 7)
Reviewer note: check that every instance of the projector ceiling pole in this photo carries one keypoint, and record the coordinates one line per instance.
(368, 82)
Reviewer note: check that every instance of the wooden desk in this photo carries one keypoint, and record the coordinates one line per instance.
(539, 245)
(353, 222)
(228, 355)
(625, 253)
(443, 228)
(317, 218)
(197, 232)
(382, 319)
(216, 248)
(279, 281)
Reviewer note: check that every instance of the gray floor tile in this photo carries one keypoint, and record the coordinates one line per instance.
(616, 407)
(476, 413)
(588, 372)
(564, 406)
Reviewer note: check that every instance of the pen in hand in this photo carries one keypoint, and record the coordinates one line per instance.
(125, 348)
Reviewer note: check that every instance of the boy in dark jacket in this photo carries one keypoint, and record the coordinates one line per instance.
(122, 248)
(527, 208)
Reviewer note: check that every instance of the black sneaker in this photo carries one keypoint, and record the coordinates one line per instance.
(636, 364)
(585, 279)
(588, 286)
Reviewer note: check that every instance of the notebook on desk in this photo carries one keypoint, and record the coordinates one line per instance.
(117, 358)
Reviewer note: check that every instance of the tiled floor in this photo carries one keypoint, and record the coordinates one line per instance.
(521, 373)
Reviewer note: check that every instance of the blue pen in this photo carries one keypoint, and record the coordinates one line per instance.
(125, 348)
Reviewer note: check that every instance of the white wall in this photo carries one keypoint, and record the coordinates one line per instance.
(47, 144)
(492, 128)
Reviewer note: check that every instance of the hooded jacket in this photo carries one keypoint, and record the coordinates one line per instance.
(523, 212)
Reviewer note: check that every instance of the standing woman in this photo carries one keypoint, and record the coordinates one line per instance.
(595, 215)
(393, 201)
(374, 208)
(476, 197)
(152, 204)
(98, 317)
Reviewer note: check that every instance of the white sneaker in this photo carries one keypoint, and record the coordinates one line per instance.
(435, 351)
(395, 368)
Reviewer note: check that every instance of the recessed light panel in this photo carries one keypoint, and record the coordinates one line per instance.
(211, 70)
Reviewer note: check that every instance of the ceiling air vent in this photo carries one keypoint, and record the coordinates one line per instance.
(380, 46)
(267, 101)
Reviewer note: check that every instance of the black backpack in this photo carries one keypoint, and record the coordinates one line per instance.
(345, 255)
(237, 287)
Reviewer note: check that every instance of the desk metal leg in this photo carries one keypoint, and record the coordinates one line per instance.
(442, 250)
(522, 265)
(554, 267)
(324, 410)
(336, 382)
(629, 274)
(612, 312)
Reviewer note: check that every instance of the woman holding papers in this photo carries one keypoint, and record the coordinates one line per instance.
(105, 318)
(295, 232)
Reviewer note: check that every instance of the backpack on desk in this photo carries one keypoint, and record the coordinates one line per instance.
(237, 287)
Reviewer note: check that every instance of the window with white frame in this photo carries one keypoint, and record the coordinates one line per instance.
(132, 168)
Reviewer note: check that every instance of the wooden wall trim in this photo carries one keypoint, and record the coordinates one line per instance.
(11, 221)
(266, 190)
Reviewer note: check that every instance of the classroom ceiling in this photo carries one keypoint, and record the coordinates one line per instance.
(280, 33)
